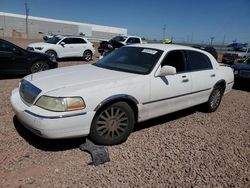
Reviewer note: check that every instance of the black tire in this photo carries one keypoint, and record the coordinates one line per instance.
(39, 66)
(214, 99)
(113, 124)
(87, 55)
(52, 53)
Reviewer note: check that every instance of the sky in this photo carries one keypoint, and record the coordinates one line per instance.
(184, 20)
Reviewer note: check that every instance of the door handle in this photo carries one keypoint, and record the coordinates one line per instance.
(184, 76)
(185, 80)
(212, 75)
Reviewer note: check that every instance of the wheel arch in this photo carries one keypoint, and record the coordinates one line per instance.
(88, 50)
(52, 51)
(221, 83)
(130, 100)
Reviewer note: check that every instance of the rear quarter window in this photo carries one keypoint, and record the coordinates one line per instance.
(198, 61)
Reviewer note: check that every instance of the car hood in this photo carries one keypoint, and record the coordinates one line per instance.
(241, 66)
(40, 44)
(72, 78)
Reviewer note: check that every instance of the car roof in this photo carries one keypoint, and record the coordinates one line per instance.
(169, 47)
(70, 36)
(165, 47)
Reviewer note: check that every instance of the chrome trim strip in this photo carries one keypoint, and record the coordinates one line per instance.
(230, 83)
(175, 96)
(55, 117)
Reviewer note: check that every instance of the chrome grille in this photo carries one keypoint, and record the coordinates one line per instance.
(28, 92)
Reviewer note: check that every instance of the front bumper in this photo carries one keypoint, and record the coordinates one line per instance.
(51, 124)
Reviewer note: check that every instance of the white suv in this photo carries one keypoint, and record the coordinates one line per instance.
(65, 46)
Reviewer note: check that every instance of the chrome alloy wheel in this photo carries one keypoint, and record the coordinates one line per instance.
(112, 122)
(216, 98)
(39, 66)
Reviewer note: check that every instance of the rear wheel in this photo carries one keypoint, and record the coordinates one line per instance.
(87, 55)
(39, 66)
(113, 124)
(214, 99)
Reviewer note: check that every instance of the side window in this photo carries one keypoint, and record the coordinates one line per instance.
(68, 41)
(130, 41)
(79, 41)
(198, 61)
(5, 47)
(175, 59)
(133, 40)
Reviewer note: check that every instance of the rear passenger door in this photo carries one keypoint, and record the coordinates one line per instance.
(80, 46)
(203, 75)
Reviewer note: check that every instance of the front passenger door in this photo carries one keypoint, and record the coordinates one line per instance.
(68, 49)
(170, 93)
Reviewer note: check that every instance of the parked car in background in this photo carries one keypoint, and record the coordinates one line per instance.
(236, 52)
(15, 60)
(242, 70)
(117, 42)
(60, 46)
(132, 84)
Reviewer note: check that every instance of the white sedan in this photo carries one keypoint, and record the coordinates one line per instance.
(65, 46)
(132, 84)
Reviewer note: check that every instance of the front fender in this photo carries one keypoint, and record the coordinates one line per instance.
(115, 98)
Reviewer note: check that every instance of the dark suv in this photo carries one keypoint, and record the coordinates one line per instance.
(15, 60)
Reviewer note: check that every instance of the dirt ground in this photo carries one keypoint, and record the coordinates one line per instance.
(185, 149)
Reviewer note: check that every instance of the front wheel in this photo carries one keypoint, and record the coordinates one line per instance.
(52, 54)
(214, 99)
(113, 124)
(39, 66)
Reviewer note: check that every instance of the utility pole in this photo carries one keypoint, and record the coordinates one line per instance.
(224, 38)
(164, 31)
(27, 15)
(211, 38)
(192, 36)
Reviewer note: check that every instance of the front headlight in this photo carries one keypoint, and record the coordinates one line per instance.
(60, 104)
(38, 48)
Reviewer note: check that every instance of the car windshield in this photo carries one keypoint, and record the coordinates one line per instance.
(119, 38)
(136, 60)
(53, 40)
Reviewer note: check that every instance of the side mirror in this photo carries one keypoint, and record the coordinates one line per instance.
(166, 70)
(62, 43)
(17, 51)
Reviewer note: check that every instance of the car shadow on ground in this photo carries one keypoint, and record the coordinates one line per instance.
(243, 85)
(72, 143)
(46, 144)
(5, 77)
(70, 59)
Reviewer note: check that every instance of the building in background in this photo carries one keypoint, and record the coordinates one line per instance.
(14, 25)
